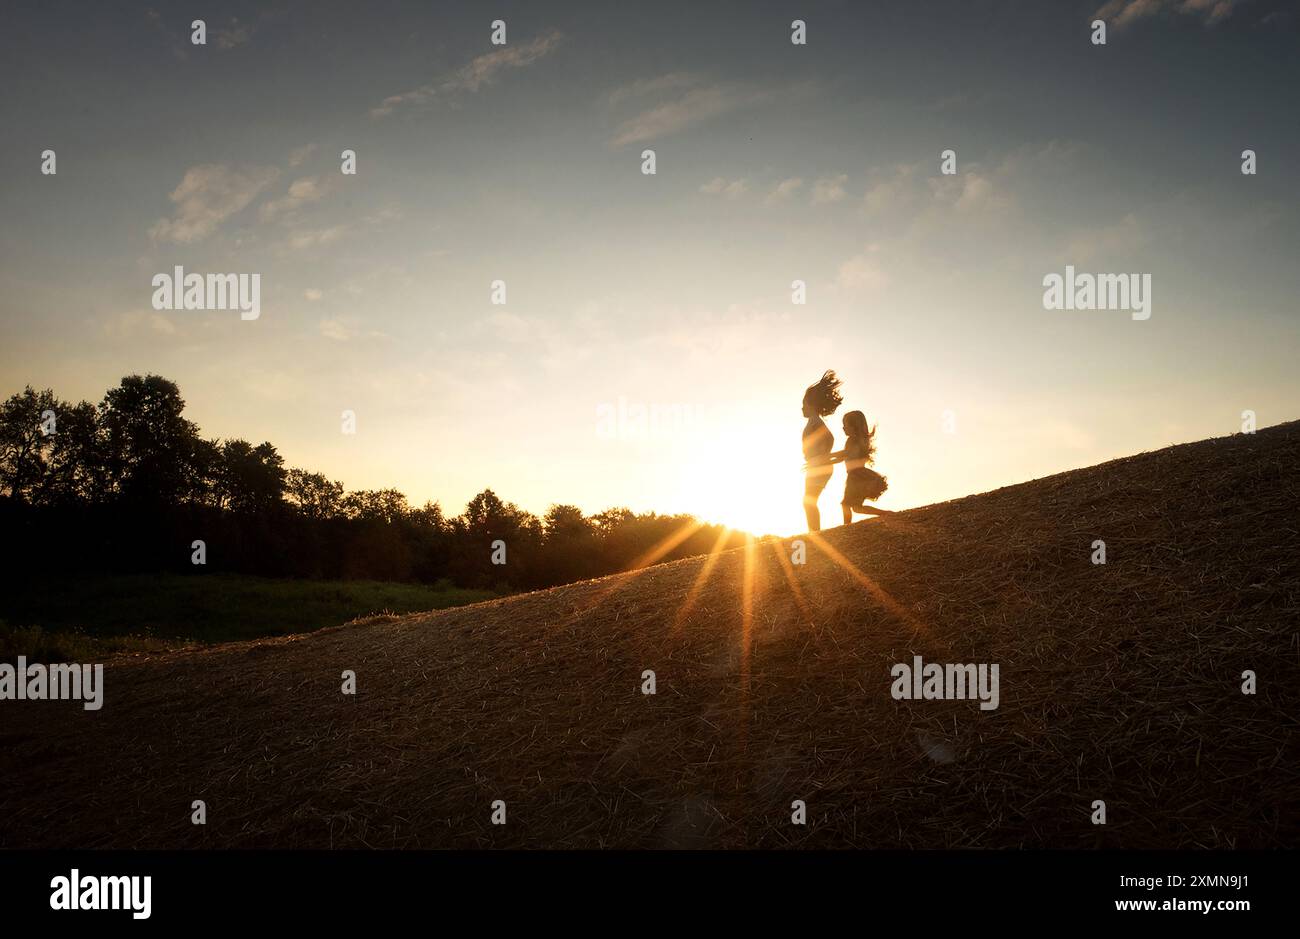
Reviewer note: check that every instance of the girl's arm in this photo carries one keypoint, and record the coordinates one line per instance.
(830, 458)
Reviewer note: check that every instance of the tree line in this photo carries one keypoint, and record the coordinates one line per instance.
(129, 484)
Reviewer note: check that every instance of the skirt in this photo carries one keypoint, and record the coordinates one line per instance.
(863, 485)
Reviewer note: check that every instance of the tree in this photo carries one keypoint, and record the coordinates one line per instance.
(570, 551)
(251, 478)
(24, 447)
(75, 468)
(487, 519)
(315, 494)
(379, 505)
(150, 447)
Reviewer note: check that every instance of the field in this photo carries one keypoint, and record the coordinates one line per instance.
(1119, 683)
(143, 612)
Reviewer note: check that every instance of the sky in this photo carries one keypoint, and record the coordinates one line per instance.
(649, 352)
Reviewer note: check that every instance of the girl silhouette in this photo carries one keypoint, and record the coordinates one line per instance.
(820, 400)
(862, 483)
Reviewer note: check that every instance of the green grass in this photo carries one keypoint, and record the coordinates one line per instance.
(165, 610)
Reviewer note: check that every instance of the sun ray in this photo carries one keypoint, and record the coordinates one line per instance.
(638, 567)
(746, 636)
(666, 544)
(701, 579)
(881, 595)
(778, 548)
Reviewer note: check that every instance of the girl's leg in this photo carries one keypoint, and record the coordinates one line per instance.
(812, 492)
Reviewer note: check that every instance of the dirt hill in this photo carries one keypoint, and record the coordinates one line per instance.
(1119, 682)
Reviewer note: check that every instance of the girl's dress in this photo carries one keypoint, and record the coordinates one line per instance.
(863, 483)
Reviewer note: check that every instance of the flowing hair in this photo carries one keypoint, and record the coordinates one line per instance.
(824, 397)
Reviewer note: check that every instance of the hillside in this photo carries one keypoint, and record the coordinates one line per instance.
(1119, 682)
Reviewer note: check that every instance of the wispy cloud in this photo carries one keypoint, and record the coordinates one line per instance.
(1108, 242)
(967, 192)
(1124, 12)
(829, 189)
(137, 321)
(299, 155)
(233, 34)
(888, 193)
(784, 190)
(863, 271)
(315, 237)
(652, 86)
(301, 192)
(695, 106)
(511, 328)
(346, 328)
(478, 74)
(208, 195)
(918, 189)
(730, 188)
(300, 238)
(336, 330)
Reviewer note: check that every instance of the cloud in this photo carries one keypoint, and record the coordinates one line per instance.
(208, 195)
(301, 238)
(648, 86)
(784, 190)
(966, 193)
(299, 155)
(694, 107)
(315, 237)
(511, 328)
(829, 189)
(1108, 242)
(1123, 12)
(863, 271)
(344, 329)
(176, 44)
(889, 193)
(301, 192)
(136, 321)
(731, 189)
(1055, 157)
(336, 330)
(909, 188)
(478, 74)
(234, 34)
(312, 293)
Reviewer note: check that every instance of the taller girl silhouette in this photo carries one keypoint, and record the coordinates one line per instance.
(820, 400)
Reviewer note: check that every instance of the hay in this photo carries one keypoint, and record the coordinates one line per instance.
(1118, 682)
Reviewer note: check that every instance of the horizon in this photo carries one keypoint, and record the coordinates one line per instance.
(630, 295)
(540, 512)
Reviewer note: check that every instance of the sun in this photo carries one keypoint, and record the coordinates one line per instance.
(749, 480)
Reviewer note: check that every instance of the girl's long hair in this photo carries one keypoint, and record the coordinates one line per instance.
(855, 425)
(824, 397)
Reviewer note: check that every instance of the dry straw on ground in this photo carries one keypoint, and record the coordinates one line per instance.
(1119, 682)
